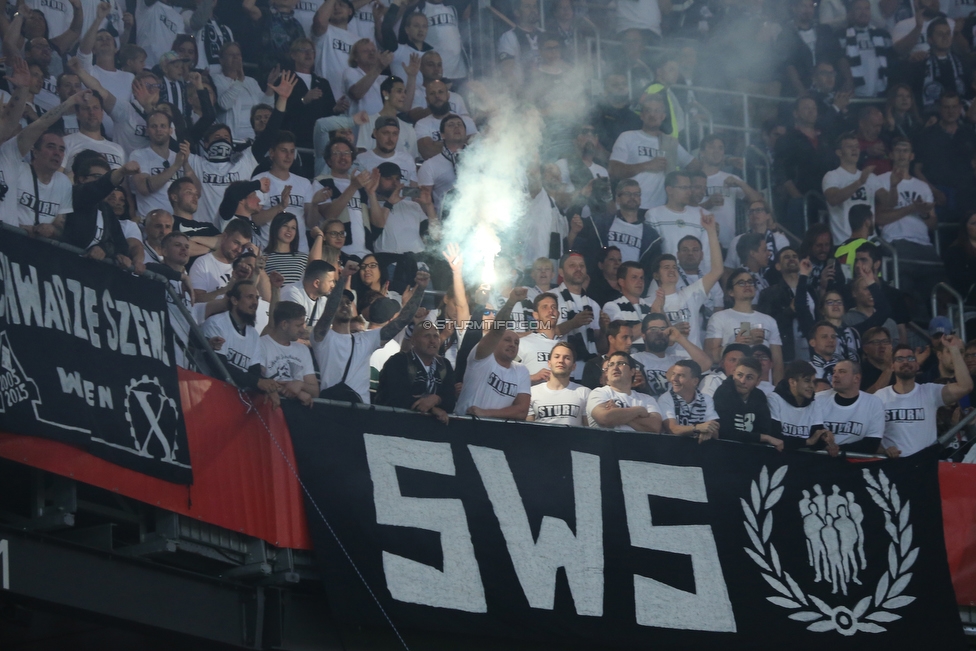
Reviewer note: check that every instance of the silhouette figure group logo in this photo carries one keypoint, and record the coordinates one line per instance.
(835, 537)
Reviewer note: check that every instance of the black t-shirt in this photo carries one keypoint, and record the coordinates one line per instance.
(869, 374)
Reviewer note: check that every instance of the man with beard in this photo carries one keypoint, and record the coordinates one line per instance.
(211, 273)
(419, 379)
(559, 401)
(686, 410)
(386, 135)
(495, 385)
(343, 356)
(160, 165)
(778, 302)
(432, 69)
(683, 306)
(655, 360)
(429, 129)
(184, 197)
(286, 362)
(579, 315)
(440, 172)
(628, 230)
(534, 348)
(910, 408)
(234, 339)
(175, 254)
(823, 352)
(797, 419)
(617, 406)
(348, 197)
(855, 418)
(311, 293)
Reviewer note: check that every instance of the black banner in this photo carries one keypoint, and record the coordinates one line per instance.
(86, 358)
(579, 537)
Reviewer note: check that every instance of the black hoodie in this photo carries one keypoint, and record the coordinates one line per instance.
(738, 420)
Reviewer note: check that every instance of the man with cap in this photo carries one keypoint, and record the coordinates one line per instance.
(394, 96)
(386, 133)
(405, 221)
(440, 171)
(241, 201)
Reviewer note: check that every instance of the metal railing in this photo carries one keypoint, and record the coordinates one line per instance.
(957, 312)
(894, 278)
(946, 438)
(199, 341)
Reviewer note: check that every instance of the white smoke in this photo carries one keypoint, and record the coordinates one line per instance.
(488, 214)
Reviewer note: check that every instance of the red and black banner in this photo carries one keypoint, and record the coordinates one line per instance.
(86, 358)
(590, 538)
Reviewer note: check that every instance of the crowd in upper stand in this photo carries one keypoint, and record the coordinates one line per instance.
(289, 167)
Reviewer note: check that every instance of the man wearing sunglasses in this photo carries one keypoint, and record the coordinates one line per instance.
(910, 408)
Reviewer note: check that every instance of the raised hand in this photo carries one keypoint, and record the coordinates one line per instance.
(277, 280)
(18, 73)
(285, 84)
(412, 67)
(265, 184)
(361, 118)
(360, 180)
(130, 168)
(183, 154)
(806, 267)
(286, 196)
(518, 294)
(273, 75)
(708, 220)
(102, 11)
(195, 79)
(453, 257)
(384, 59)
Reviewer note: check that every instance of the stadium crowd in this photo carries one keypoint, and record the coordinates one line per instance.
(649, 288)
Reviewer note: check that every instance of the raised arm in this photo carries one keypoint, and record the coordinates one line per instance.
(18, 79)
(714, 253)
(64, 42)
(33, 131)
(320, 21)
(286, 84)
(324, 324)
(108, 99)
(88, 39)
(489, 340)
(201, 15)
(453, 257)
(391, 329)
(952, 393)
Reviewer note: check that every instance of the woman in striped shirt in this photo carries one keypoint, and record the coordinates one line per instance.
(282, 250)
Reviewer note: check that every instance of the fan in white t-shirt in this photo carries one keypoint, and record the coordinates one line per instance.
(914, 208)
(89, 136)
(683, 306)
(848, 186)
(286, 192)
(233, 337)
(686, 410)
(330, 25)
(643, 156)
(559, 401)
(284, 360)
(394, 102)
(616, 406)
(428, 129)
(404, 221)
(535, 347)
(723, 189)
(910, 408)
(856, 418)
(386, 135)
(742, 324)
(677, 219)
(659, 340)
(211, 273)
(495, 385)
(361, 78)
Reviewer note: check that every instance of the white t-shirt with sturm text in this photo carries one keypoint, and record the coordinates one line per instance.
(215, 177)
(910, 417)
(795, 422)
(638, 147)
(332, 55)
(656, 370)
(865, 419)
(559, 407)
(489, 385)
(726, 325)
(840, 226)
(627, 237)
(601, 395)
(724, 214)
(444, 35)
(241, 351)
(22, 206)
(301, 194)
(208, 273)
(534, 350)
(684, 306)
(910, 227)
(152, 163)
(673, 226)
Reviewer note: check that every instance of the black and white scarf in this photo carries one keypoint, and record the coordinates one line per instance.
(932, 84)
(689, 413)
(880, 40)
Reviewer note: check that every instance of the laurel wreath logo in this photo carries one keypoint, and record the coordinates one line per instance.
(816, 613)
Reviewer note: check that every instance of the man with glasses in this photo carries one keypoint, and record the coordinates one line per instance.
(910, 408)
(763, 354)
(676, 218)
(656, 360)
(628, 230)
(617, 406)
(648, 154)
(751, 249)
(876, 365)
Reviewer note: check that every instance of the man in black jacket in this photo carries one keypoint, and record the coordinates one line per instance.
(742, 408)
(419, 379)
(93, 226)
